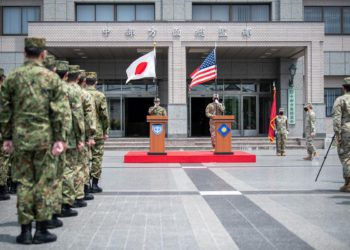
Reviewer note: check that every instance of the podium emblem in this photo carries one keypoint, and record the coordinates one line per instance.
(157, 129)
(224, 130)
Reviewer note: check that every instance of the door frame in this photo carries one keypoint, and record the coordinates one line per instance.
(250, 132)
(117, 133)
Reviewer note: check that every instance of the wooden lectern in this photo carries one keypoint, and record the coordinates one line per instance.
(157, 129)
(223, 132)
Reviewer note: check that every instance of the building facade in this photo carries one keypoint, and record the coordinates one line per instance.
(301, 47)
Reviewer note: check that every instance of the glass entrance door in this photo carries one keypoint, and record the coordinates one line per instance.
(115, 116)
(249, 115)
(233, 107)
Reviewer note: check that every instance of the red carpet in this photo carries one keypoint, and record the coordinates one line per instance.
(189, 157)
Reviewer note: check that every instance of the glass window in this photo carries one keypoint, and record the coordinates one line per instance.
(145, 12)
(346, 20)
(260, 13)
(29, 14)
(104, 12)
(241, 13)
(313, 14)
(126, 13)
(15, 19)
(201, 12)
(330, 94)
(85, 13)
(220, 13)
(12, 20)
(332, 19)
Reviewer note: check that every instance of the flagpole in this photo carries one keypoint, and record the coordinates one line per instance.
(155, 82)
(216, 78)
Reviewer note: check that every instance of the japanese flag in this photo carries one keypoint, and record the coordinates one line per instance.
(143, 67)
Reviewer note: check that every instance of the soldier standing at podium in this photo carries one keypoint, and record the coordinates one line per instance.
(157, 109)
(213, 109)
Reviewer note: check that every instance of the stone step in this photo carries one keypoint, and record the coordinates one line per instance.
(141, 148)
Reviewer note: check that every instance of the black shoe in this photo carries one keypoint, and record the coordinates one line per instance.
(4, 194)
(54, 222)
(95, 188)
(26, 234)
(79, 203)
(87, 195)
(13, 188)
(67, 211)
(42, 235)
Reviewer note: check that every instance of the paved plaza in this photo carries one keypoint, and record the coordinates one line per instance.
(273, 204)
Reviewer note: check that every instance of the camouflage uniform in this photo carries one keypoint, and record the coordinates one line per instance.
(281, 133)
(341, 126)
(50, 63)
(310, 131)
(4, 159)
(76, 135)
(156, 109)
(102, 126)
(211, 110)
(31, 118)
(83, 172)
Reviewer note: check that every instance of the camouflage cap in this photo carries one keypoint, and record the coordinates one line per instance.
(2, 72)
(156, 99)
(346, 81)
(308, 105)
(215, 96)
(82, 73)
(35, 42)
(62, 65)
(50, 61)
(91, 75)
(73, 69)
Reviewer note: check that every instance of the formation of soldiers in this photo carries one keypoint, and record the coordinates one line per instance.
(53, 126)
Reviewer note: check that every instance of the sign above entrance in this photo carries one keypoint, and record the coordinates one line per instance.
(106, 31)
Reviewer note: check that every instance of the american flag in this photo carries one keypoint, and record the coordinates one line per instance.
(206, 72)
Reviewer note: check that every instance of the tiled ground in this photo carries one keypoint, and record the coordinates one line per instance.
(273, 204)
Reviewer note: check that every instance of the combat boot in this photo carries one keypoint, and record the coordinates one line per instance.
(4, 194)
(54, 222)
(346, 187)
(67, 211)
(87, 195)
(79, 203)
(283, 154)
(26, 234)
(314, 154)
(42, 235)
(13, 187)
(95, 188)
(308, 158)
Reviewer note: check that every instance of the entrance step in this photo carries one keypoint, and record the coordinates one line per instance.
(203, 143)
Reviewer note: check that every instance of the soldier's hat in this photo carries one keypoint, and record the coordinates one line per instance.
(35, 42)
(2, 72)
(82, 73)
(308, 105)
(91, 75)
(50, 61)
(346, 81)
(72, 69)
(156, 99)
(281, 110)
(215, 96)
(62, 65)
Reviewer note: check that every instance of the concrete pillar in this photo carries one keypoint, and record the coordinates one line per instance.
(291, 10)
(177, 107)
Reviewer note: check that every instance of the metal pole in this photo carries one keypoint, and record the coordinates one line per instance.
(155, 82)
(325, 157)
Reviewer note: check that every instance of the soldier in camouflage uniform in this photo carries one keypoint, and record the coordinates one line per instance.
(4, 159)
(213, 109)
(32, 128)
(157, 109)
(281, 132)
(83, 174)
(53, 65)
(341, 126)
(76, 139)
(102, 127)
(310, 131)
